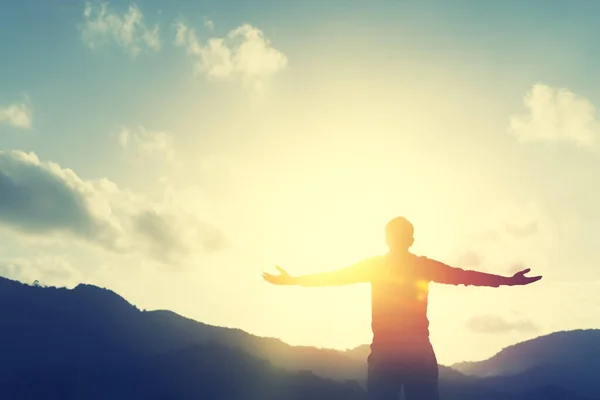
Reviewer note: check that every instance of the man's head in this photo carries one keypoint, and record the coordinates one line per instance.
(399, 234)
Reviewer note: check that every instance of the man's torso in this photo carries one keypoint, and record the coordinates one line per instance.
(399, 296)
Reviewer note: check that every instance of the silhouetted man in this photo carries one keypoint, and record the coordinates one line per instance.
(401, 354)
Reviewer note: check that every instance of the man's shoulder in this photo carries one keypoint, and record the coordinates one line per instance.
(420, 259)
(425, 262)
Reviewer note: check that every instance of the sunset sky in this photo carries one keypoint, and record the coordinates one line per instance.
(173, 151)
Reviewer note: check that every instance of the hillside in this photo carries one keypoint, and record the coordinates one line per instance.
(569, 359)
(89, 342)
(211, 372)
(72, 319)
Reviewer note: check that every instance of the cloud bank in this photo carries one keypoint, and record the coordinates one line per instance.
(18, 115)
(469, 259)
(244, 53)
(49, 270)
(102, 25)
(148, 143)
(512, 237)
(44, 199)
(494, 324)
(556, 115)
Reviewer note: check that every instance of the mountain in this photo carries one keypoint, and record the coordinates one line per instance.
(568, 359)
(71, 319)
(90, 343)
(569, 348)
(210, 372)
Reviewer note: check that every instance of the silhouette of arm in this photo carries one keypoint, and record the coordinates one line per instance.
(442, 273)
(357, 273)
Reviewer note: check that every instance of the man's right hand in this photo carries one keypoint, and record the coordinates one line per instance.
(282, 279)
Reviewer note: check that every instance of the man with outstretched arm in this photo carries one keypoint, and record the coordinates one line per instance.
(401, 354)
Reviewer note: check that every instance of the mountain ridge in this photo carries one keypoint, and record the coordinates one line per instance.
(88, 326)
(540, 345)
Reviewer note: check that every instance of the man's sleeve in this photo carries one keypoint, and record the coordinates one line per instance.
(442, 273)
(357, 273)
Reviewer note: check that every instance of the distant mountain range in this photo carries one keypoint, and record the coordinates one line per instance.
(568, 359)
(90, 343)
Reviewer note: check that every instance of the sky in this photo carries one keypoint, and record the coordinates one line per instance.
(173, 151)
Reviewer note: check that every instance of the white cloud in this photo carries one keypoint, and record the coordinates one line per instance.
(45, 200)
(495, 324)
(556, 115)
(148, 143)
(512, 236)
(127, 30)
(49, 270)
(468, 259)
(18, 115)
(244, 53)
(208, 24)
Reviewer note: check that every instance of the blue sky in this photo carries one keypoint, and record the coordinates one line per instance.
(175, 161)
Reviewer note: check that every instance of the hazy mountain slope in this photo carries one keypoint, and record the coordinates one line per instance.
(579, 349)
(35, 316)
(565, 359)
(209, 372)
(70, 342)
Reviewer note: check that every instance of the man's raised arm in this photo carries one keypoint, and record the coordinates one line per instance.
(357, 273)
(442, 273)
